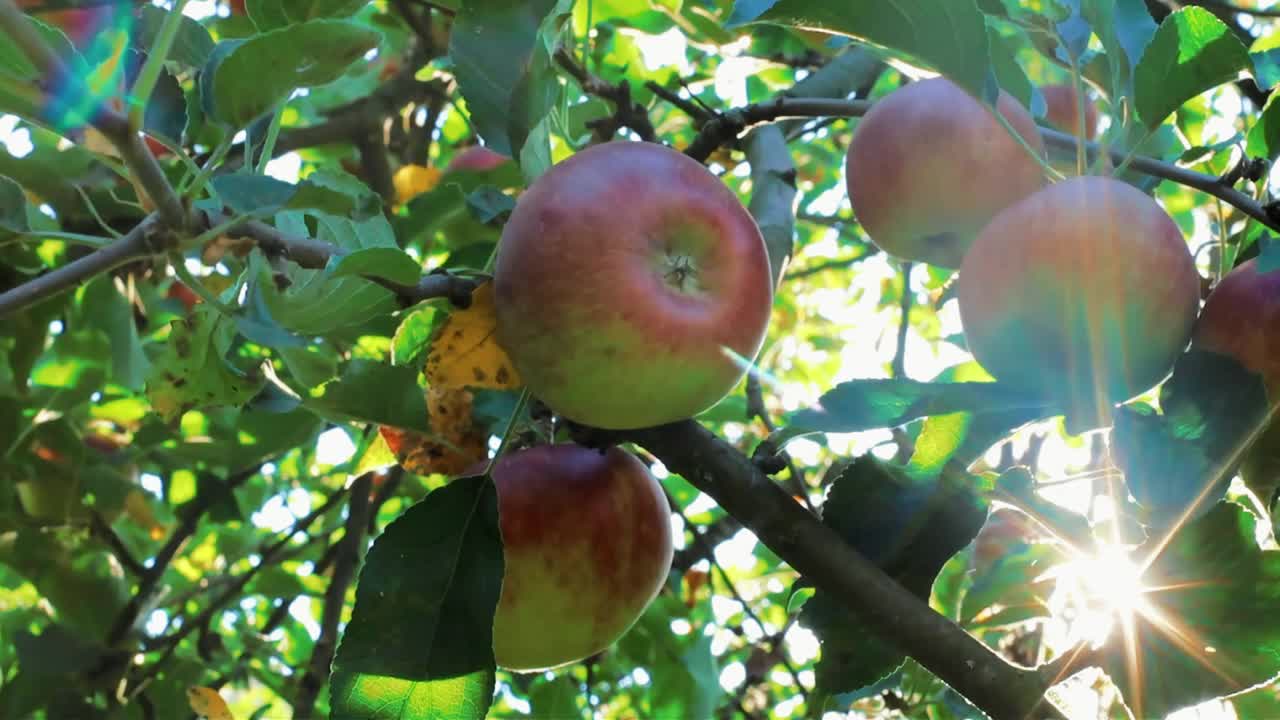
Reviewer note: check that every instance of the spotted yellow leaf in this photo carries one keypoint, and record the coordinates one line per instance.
(465, 351)
(410, 181)
(207, 703)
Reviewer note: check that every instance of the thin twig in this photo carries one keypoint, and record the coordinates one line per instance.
(904, 309)
(350, 551)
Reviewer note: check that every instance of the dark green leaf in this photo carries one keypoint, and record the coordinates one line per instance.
(1191, 52)
(271, 14)
(555, 700)
(487, 204)
(192, 45)
(870, 404)
(370, 391)
(56, 651)
(252, 193)
(948, 35)
(909, 527)
(1211, 631)
(259, 73)
(105, 309)
(166, 114)
(440, 565)
(381, 262)
(13, 208)
(499, 53)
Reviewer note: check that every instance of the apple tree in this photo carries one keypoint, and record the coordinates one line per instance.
(462, 359)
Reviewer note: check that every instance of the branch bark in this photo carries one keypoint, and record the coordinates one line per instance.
(731, 123)
(713, 466)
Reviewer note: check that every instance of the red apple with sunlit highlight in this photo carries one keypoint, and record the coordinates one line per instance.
(1084, 293)
(930, 165)
(632, 287)
(587, 545)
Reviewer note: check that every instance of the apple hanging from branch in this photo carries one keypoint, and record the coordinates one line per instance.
(587, 545)
(1084, 292)
(632, 287)
(929, 166)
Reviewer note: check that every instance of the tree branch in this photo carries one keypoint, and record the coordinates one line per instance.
(628, 113)
(350, 551)
(904, 309)
(713, 466)
(731, 123)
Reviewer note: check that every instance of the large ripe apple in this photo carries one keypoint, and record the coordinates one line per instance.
(587, 545)
(1241, 318)
(1084, 292)
(632, 287)
(929, 166)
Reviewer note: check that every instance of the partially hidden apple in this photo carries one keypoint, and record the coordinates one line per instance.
(930, 165)
(476, 158)
(587, 546)
(1063, 112)
(632, 287)
(1241, 318)
(1084, 293)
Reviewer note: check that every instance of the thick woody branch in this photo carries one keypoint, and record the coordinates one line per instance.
(713, 466)
(151, 238)
(628, 113)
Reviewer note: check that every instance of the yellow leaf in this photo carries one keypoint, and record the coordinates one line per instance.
(208, 703)
(411, 181)
(465, 351)
(454, 446)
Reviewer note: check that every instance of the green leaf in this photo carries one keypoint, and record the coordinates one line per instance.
(910, 528)
(1211, 631)
(555, 700)
(310, 366)
(56, 651)
(413, 336)
(1264, 136)
(13, 208)
(374, 392)
(271, 14)
(1192, 52)
(252, 193)
(871, 404)
(192, 45)
(103, 307)
(1210, 407)
(387, 263)
(503, 66)
(192, 372)
(948, 35)
(259, 73)
(487, 204)
(344, 301)
(1265, 53)
(420, 640)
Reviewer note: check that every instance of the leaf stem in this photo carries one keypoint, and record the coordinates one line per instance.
(150, 73)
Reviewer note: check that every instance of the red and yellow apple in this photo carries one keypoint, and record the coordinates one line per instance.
(1084, 292)
(476, 158)
(632, 287)
(1241, 318)
(930, 165)
(587, 545)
